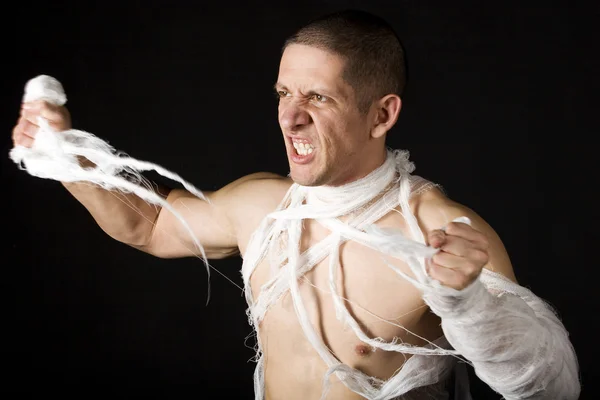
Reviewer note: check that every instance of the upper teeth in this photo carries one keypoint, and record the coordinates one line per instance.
(303, 148)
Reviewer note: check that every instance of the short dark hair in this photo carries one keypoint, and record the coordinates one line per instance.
(373, 54)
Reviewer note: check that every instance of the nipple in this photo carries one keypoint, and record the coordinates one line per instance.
(363, 350)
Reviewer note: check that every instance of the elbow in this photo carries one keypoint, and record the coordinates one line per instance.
(138, 235)
(567, 384)
(556, 378)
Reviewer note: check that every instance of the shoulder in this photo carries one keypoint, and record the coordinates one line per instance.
(434, 210)
(258, 186)
(248, 199)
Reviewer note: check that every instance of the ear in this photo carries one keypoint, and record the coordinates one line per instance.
(386, 113)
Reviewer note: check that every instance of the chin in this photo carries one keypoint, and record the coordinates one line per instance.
(305, 179)
(302, 179)
(311, 173)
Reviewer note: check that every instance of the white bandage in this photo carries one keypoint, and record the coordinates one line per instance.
(44, 87)
(54, 155)
(514, 339)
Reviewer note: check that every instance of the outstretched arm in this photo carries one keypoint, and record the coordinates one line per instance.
(514, 339)
(147, 227)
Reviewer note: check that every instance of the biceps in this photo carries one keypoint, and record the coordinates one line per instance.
(435, 212)
(192, 222)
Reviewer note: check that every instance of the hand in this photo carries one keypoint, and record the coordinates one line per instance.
(24, 132)
(463, 252)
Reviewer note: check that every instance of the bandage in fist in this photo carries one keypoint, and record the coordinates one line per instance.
(463, 252)
(58, 118)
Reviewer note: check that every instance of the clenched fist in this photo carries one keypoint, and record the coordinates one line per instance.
(463, 254)
(24, 132)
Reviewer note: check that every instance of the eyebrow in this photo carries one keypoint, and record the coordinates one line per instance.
(321, 91)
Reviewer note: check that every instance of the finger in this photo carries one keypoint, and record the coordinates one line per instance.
(27, 128)
(50, 115)
(36, 104)
(465, 231)
(22, 140)
(447, 277)
(51, 112)
(461, 247)
(21, 127)
(31, 115)
(32, 123)
(466, 266)
(436, 238)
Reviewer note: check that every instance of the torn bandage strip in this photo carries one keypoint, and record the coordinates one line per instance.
(54, 155)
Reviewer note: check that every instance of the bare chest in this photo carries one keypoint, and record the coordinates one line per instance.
(383, 304)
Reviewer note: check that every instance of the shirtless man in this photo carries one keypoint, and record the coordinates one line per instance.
(338, 99)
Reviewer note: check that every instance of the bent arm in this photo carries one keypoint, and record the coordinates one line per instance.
(514, 339)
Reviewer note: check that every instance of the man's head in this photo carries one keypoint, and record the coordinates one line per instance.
(340, 81)
(373, 55)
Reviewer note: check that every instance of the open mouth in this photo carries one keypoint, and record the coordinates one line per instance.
(303, 151)
(302, 148)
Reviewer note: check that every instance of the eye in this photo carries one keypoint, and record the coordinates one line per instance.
(319, 98)
(282, 93)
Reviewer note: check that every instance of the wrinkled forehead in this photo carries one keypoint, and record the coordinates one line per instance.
(305, 67)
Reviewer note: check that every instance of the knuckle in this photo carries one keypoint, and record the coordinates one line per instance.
(433, 237)
(22, 140)
(430, 237)
(47, 106)
(478, 257)
(21, 125)
(452, 228)
(483, 256)
(485, 243)
(474, 275)
(472, 272)
(16, 130)
(433, 272)
(30, 116)
(482, 238)
(30, 129)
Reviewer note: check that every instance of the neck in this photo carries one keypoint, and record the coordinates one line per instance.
(359, 191)
(336, 201)
(366, 166)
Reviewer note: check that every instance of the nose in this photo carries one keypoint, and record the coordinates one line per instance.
(292, 115)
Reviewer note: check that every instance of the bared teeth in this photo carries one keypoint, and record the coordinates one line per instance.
(303, 149)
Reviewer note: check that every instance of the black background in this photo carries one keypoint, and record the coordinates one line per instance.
(500, 109)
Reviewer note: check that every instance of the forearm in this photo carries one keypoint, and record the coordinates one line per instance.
(517, 345)
(125, 217)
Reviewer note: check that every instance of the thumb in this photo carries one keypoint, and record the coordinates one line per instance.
(436, 238)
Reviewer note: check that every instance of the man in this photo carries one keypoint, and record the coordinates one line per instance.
(362, 280)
